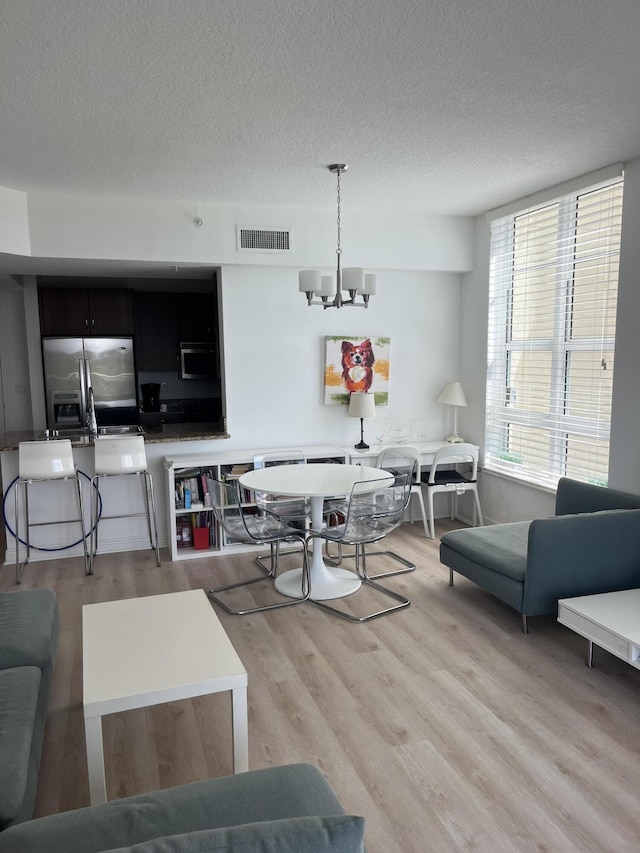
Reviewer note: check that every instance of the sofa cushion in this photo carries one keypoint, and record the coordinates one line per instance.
(18, 701)
(500, 547)
(274, 793)
(333, 834)
(28, 628)
(574, 497)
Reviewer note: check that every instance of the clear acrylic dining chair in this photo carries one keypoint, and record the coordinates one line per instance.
(293, 511)
(251, 529)
(374, 508)
(398, 460)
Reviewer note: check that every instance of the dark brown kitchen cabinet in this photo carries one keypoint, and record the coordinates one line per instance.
(78, 311)
(156, 335)
(198, 317)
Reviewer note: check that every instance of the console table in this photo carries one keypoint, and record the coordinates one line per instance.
(611, 620)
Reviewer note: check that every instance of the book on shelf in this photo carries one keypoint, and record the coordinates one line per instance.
(237, 470)
(191, 490)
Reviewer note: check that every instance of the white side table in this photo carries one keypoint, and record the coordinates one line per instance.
(611, 620)
(146, 651)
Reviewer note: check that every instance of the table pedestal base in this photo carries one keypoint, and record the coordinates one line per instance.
(332, 583)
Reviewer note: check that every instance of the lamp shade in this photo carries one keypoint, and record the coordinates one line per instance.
(353, 279)
(370, 284)
(453, 395)
(327, 287)
(309, 281)
(362, 406)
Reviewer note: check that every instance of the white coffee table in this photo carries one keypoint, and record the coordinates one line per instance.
(146, 651)
(611, 620)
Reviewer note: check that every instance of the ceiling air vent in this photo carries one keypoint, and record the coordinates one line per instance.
(264, 240)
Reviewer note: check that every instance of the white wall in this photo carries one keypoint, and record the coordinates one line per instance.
(67, 226)
(624, 461)
(14, 222)
(274, 356)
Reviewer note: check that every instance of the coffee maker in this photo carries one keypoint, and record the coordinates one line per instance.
(150, 396)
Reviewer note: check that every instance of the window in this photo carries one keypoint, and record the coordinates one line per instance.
(552, 315)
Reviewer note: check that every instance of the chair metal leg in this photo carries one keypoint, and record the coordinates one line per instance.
(95, 509)
(88, 568)
(450, 576)
(407, 565)
(272, 571)
(525, 624)
(361, 570)
(306, 590)
(151, 514)
(19, 566)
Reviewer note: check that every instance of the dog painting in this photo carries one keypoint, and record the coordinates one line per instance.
(355, 364)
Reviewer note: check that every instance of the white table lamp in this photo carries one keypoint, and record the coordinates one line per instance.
(362, 406)
(453, 395)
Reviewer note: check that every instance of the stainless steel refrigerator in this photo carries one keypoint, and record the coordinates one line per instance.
(72, 365)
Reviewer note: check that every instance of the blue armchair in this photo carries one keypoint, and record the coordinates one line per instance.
(591, 545)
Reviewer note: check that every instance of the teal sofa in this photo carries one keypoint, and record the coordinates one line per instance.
(288, 809)
(590, 545)
(29, 626)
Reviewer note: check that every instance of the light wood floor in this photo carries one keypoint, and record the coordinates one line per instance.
(443, 724)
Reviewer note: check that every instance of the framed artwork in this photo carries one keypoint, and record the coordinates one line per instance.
(354, 363)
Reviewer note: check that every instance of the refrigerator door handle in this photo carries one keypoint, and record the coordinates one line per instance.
(83, 390)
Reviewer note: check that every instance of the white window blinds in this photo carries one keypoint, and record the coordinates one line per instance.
(552, 315)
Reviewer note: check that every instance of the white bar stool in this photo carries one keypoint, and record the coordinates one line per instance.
(39, 462)
(117, 456)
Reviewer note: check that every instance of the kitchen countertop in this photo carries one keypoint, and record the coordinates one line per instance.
(162, 434)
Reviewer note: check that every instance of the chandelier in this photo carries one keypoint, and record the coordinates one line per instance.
(352, 279)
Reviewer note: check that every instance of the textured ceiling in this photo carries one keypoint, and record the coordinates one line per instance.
(439, 106)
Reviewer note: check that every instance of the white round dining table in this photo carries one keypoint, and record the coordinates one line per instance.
(315, 481)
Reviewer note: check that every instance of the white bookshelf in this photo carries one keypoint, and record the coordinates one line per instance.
(182, 471)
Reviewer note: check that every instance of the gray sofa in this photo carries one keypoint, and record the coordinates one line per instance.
(28, 643)
(591, 545)
(287, 809)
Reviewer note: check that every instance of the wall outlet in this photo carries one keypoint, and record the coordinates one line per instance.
(163, 386)
(20, 388)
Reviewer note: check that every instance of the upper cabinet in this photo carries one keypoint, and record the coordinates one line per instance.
(164, 319)
(70, 311)
(198, 317)
(156, 339)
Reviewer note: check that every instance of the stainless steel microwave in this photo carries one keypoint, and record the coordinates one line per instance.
(198, 360)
